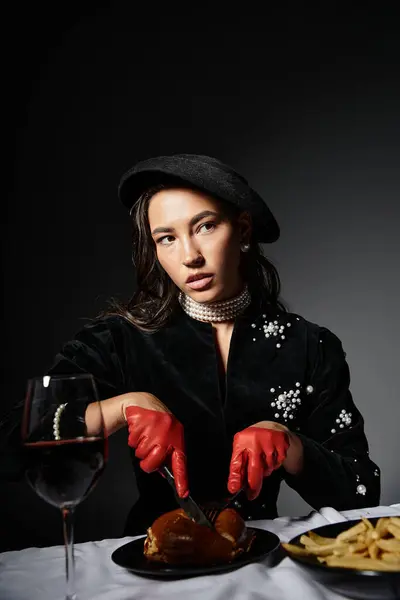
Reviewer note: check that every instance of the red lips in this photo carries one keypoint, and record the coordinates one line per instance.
(198, 276)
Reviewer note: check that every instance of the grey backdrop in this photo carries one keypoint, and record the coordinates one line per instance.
(307, 111)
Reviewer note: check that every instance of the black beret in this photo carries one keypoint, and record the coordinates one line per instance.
(207, 174)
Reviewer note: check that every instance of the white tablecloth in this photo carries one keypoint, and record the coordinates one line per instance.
(38, 573)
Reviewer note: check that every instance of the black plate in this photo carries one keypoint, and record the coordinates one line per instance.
(353, 583)
(130, 556)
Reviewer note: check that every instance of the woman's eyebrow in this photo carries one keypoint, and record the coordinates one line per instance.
(195, 219)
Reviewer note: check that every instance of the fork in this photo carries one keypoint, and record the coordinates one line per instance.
(212, 512)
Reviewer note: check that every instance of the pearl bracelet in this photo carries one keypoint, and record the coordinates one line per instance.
(56, 421)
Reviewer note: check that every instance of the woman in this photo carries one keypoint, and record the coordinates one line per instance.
(204, 365)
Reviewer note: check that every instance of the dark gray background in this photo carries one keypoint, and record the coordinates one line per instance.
(306, 106)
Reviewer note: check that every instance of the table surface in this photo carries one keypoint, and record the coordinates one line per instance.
(38, 573)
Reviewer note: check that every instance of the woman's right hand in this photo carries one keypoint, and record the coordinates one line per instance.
(157, 437)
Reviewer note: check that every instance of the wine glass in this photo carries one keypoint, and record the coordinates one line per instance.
(66, 447)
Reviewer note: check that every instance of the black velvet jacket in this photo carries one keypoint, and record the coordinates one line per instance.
(280, 368)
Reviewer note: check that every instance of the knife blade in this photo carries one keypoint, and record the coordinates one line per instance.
(191, 508)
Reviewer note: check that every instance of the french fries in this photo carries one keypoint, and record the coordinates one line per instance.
(362, 546)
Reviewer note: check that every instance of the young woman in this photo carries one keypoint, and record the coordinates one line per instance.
(205, 367)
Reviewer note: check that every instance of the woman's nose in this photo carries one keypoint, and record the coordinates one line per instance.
(191, 254)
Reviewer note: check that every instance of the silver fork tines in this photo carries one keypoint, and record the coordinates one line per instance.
(211, 514)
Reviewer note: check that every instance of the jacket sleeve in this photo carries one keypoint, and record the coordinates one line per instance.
(337, 470)
(92, 350)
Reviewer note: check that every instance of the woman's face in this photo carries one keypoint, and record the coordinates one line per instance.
(197, 245)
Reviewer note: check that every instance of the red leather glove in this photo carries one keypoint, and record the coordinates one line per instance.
(158, 439)
(257, 452)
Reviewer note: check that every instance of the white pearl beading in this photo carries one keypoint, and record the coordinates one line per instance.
(343, 419)
(287, 403)
(215, 312)
(273, 329)
(361, 489)
(56, 421)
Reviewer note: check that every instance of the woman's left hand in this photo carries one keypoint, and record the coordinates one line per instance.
(257, 451)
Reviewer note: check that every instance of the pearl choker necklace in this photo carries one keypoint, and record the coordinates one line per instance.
(216, 311)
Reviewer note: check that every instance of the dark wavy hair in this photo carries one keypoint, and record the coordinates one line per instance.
(156, 296)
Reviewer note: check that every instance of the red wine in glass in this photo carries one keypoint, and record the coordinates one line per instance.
(64, 472)
(66, 447)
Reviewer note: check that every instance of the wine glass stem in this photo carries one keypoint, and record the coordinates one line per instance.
(68, 522)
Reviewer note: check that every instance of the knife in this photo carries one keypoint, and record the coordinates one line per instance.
(190, 507)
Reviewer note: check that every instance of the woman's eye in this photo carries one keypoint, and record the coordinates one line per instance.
(208, 227)
(167, 239)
